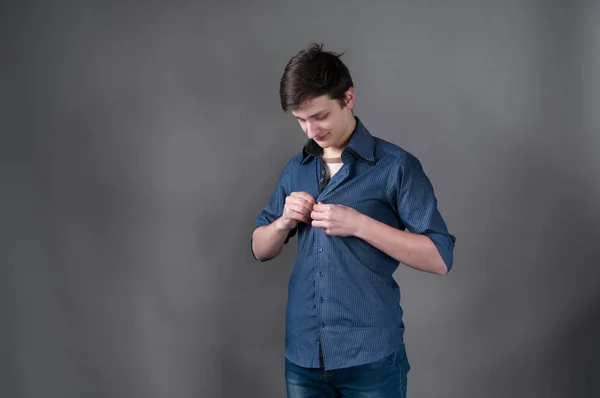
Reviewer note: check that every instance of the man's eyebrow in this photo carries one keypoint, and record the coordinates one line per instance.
(314, 114)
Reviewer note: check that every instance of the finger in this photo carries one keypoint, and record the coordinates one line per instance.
(316, 215)
(294, 215)
(307, 205)
(306, 196)
(322, 207)
(319, 224)
(321, 215)
(298, 208)
(300, 202)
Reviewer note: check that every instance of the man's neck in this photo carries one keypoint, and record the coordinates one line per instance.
(336, 152)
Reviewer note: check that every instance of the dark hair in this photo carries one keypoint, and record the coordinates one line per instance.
(312, 73)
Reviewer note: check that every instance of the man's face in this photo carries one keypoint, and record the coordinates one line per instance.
(325, 121)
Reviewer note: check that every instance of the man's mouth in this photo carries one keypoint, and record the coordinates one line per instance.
(322, 137)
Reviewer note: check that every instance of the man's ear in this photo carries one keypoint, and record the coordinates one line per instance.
(350, 98)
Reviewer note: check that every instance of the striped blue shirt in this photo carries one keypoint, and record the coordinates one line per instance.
(343, 304)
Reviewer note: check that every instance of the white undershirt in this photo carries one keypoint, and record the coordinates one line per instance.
(332, 166)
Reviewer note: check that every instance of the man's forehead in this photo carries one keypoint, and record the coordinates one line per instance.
(312, 108)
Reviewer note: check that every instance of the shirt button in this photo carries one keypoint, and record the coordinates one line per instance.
(323, 324)
(320, 249)
(322, 179)
(322, 299)
(320, 274)
(322, 171)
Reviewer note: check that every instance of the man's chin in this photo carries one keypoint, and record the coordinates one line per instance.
(324, 142)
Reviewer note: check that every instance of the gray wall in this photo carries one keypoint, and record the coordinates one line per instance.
(139, 142)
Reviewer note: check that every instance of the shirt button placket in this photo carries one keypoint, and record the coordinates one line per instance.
(320, 283)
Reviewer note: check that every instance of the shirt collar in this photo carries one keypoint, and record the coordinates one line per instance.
(361, 145)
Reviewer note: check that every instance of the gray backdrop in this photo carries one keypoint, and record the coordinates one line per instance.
(139, 141)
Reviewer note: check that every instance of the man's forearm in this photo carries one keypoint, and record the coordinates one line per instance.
(268, 241)
(414, 250)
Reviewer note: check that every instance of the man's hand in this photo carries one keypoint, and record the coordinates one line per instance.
(337, 220)
(297, 208)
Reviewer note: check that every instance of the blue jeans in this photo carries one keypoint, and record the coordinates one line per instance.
(385, 378)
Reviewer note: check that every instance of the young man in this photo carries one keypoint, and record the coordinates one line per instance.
(360, 206)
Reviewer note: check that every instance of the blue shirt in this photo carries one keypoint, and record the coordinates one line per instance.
(342, 296)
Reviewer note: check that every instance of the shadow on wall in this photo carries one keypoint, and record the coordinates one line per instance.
(572, 357)
(565, 287)
(538, 315)
(575, 355)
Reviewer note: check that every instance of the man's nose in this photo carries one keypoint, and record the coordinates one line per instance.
(311, 130)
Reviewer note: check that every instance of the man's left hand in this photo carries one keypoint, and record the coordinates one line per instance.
(337, 220)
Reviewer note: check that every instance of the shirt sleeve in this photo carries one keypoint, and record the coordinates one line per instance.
(274, 207)
(417, 207)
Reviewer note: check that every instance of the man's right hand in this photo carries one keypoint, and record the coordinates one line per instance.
(297, 208)
(268, 240)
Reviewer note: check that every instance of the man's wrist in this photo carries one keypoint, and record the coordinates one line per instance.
(360, 225)
(281, 227)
